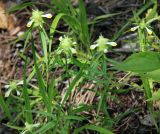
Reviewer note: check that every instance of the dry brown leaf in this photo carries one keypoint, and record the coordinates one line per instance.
(3, 17)
(7, 21)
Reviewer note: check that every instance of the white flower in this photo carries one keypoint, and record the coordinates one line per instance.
(149, 31)
(11, 87)
(29, 24)
(94, 46)
(102, 44)
(134, 28)
(20, 33)
(142, 25)
(37, 18)
(112, 43)
(73, 50)
(60, 38)
(29, 127)
(66, 45)
(105, 50)
(48, 15)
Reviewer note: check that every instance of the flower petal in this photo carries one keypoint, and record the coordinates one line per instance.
(20, 83)
(73, 50)
(112, 43)
(29, 24)
(94, 46)
(74, 43)
(149, 31)
(18, 93)
(6, 86)
(134, 28)
(36, 125)
(60, 38)
(24, 132)
(48, 15)
(105, 50)
(8, 93)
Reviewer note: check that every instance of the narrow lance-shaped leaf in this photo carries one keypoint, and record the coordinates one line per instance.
(44, 44)
(94, 128)
(5, 107)
(27, 106)
(41, 81)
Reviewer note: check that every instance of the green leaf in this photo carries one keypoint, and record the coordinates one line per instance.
(81, 108)
(14, 127)
(44, 42)
(155, 97)
(45, 128)
(94, 128)
(42, 113)
(51, 90)
(20, 6)
(61, 5)
(72, 117)
(40, 80)
(74, 24)
(27, 105)
(152, 13)
(84, 22)
(5, 107)
(75, 81)
(141, 62)
(154, 75)
(54, 25)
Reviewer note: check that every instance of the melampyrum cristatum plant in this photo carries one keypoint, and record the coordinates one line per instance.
(145, 33)
(66, 53)
(44, 109)
(144, 29)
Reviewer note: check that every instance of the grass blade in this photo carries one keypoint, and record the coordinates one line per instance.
(43, 37)
(27, 106)
(72, 85)
(4, 106)
(45, 128)
(41, 81)
(84, 22)
(94, 128)
(20, 6)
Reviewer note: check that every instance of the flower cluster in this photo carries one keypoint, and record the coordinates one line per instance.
(102, 44)
(30, 127)
(66, 45)
(37, 18)
(13, 86)
(142, 25)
